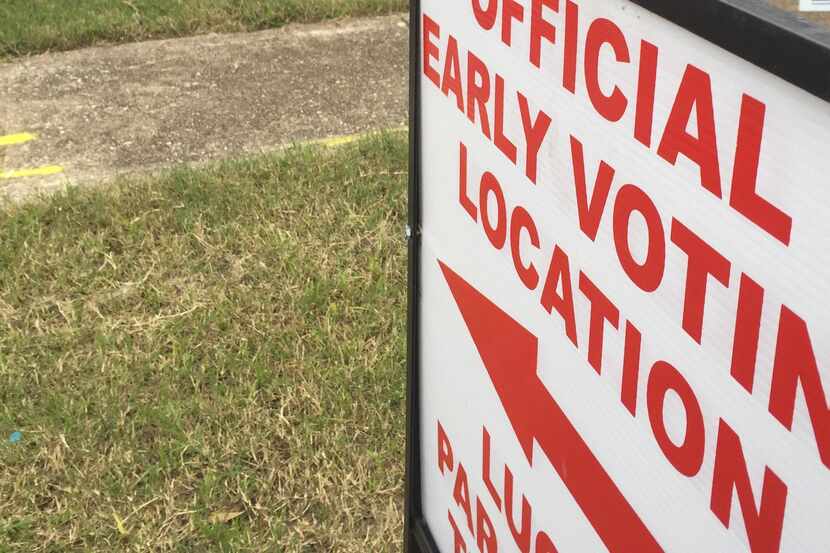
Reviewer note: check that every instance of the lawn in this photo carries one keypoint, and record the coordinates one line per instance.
(208, 360)
(32, 26)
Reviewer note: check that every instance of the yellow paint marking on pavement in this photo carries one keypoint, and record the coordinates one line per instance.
(20, 138)
(35, 172)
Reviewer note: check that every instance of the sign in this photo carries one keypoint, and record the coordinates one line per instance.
(620, 265)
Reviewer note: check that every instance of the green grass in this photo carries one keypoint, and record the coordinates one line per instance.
(209, 360)
(32, 26)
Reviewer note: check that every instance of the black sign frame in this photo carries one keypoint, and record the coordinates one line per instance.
(772, 39)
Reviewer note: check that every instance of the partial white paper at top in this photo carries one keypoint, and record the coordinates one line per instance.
(814, 5)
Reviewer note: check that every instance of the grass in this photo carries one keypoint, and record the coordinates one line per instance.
(33, 26)
(209, 360)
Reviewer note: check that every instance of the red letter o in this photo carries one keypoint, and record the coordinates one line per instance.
(649, 275)
(486, 17)
(688, 457)
(498, 233)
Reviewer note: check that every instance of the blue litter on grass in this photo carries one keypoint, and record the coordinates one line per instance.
(15, 437)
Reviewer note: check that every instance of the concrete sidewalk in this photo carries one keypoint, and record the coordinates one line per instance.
(101, 112)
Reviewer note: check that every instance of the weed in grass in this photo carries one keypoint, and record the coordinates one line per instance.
(208, 360)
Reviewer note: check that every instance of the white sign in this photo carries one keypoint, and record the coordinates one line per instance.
(814, 5)
(625, 278)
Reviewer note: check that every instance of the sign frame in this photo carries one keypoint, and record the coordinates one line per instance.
(774, 40)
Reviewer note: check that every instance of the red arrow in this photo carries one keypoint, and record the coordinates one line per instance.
(509, 352)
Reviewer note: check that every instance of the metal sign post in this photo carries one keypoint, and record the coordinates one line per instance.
(619, 259)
